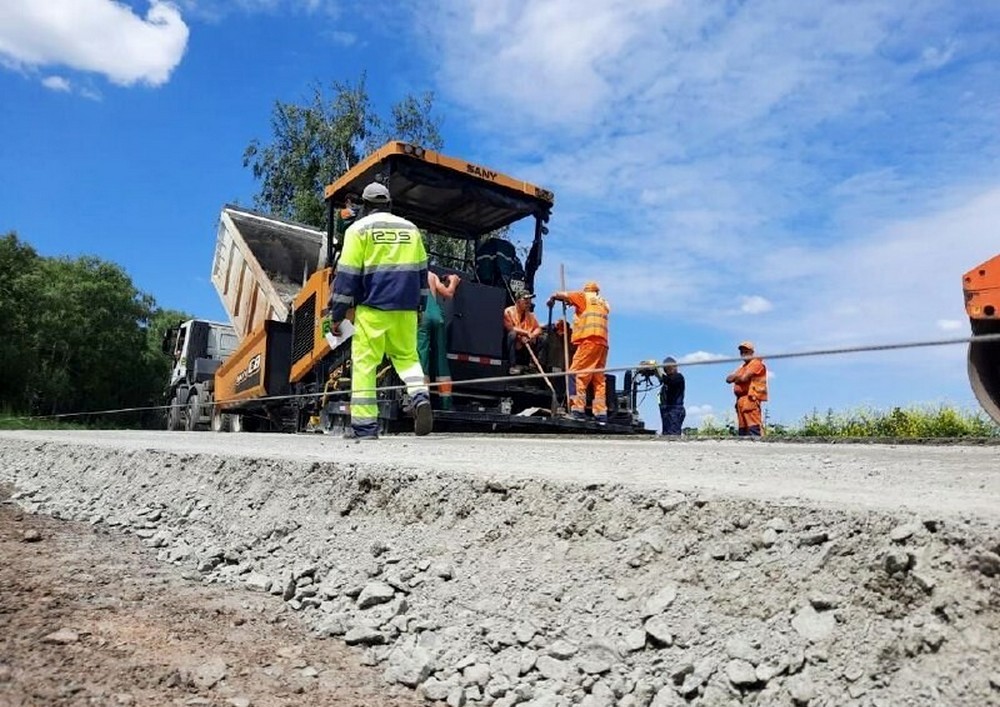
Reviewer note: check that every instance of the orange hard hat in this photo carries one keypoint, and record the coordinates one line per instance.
(748, 345)
(591, 287)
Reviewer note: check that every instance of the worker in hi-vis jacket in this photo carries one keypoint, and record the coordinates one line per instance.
(382, 274)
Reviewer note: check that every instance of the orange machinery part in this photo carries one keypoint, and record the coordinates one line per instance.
(982, 290)
(982, 304)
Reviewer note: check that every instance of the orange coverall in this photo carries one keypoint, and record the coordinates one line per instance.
(749, 395)
(590, 335)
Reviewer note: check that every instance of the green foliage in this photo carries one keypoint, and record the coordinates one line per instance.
(316, 142)
(10, 420)
(78, 336)
(710, 427)
(913, 422)
(909, 422)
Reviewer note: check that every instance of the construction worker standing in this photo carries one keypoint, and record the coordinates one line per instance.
(382, 273)
(590, 335)
(750, 386)
(432, 342)
(672, 411)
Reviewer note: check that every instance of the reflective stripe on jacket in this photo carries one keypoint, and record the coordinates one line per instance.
(756, 387)
(383, 265)
(591, 320)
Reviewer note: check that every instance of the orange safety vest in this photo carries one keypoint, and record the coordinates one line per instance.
(756, 387)
(591, 319)
(513, 319)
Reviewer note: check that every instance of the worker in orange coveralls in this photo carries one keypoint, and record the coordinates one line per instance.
(590, 336)
(750, 386)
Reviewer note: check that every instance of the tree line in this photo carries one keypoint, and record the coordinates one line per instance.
(78, 335)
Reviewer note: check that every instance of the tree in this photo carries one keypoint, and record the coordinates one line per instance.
(17, 260)
(316, 142)
(78, 336)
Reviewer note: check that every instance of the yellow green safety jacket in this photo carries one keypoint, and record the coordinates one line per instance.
(383, 265)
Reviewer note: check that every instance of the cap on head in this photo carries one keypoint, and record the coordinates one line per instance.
(591, 287)
(747, 345)
(526, 295)
(376, 193)
(669, 360)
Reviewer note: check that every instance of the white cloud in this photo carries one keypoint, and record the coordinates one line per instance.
(697, 414)
(97, 36)
(702, 357)
(57, 83)
(216, 10)
(746, 147)
(951, 324)
(344, 39)
(755, 304)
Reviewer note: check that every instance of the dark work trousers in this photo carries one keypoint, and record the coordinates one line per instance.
(672, 417)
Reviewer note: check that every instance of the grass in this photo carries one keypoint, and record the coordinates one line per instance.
(14, 421)
(912, 422)
(909, 422)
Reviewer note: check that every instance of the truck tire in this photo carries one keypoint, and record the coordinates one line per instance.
(193, 411)
(174, 421)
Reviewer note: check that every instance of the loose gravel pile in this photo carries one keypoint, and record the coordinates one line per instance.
(502, 591)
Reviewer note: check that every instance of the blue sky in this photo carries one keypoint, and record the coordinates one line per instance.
(800, 174)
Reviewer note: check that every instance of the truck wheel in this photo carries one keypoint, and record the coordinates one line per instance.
(221, 422)
(193, 412)
(174, 421)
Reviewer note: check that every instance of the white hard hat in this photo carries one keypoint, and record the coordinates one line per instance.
(376, 193)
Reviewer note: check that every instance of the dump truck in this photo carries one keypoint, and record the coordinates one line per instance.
(981, 286)
(274, 278)
(197, 348)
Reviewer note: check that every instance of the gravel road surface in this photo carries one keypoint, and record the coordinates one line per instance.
(502, 571)
(947, 479)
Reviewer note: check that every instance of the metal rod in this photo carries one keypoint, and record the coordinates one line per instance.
(562, 285)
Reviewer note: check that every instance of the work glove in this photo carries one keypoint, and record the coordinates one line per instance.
(551, 301)
(330, 327)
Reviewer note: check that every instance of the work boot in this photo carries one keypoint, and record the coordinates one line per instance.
(423, 415)
(602, 419)
(578, 415)
(359, 432)
(515, 370)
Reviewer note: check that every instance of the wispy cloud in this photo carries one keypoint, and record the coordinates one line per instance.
(342, 38)
(755, 304)
(701, 357)
(216, 10)
(835, 159)
(696, 414)
(57, 83)
(97, 36)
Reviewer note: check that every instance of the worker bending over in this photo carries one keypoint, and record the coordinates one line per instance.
(523, 330)
(382, 273)
(432, 341)
(590, 336)
(750, 386)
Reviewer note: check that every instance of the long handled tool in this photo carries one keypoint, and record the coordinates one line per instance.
(534, 358)
(565, 338)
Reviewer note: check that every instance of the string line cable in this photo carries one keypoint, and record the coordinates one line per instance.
(713, 361)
